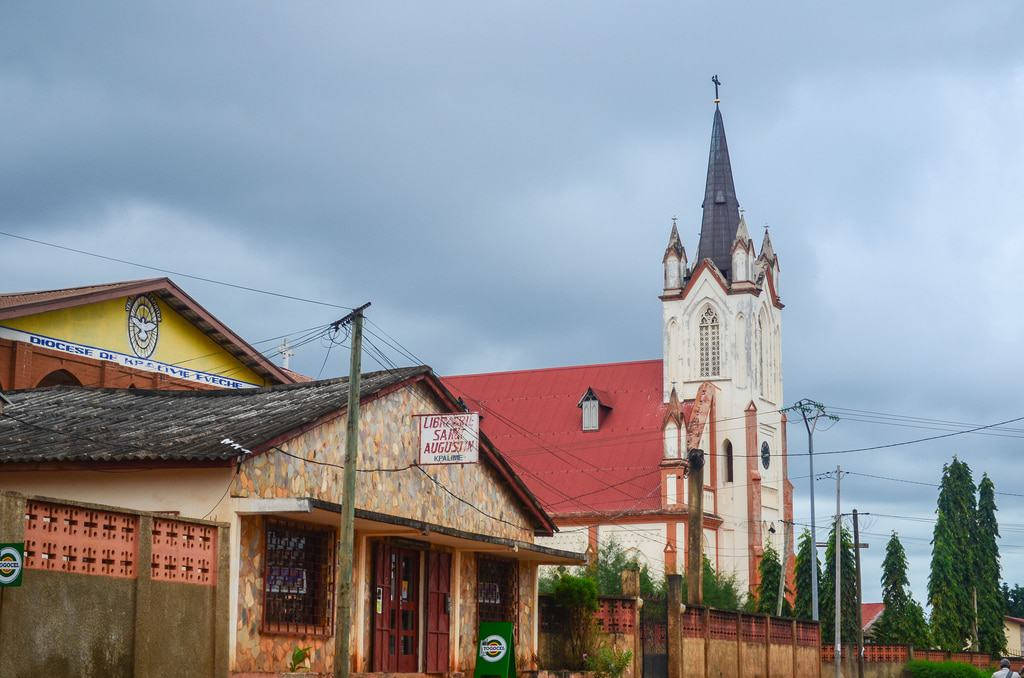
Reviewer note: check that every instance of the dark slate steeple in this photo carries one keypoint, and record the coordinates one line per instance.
(721, 209)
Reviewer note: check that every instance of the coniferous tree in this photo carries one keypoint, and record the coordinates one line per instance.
(770, 569)
(951, 581)
(804, 554)
(847, 589)
(991, 605)
(902, 621)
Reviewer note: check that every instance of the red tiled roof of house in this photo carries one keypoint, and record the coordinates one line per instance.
(533, 417)
(870, 613)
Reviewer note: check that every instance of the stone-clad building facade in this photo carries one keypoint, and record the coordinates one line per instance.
(437, 548)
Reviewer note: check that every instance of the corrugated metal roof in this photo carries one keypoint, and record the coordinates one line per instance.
(533, 417)
(870, 612)
(15, 299)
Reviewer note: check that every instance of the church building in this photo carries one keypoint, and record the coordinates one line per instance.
(604, 447)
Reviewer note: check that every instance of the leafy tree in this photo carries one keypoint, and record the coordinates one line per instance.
(770, 569)
(847, 589)
(721, 590)
(1013, 599)
(804, 555)
(991, 605)
(902, 621)
(606, 571)
(951, 581)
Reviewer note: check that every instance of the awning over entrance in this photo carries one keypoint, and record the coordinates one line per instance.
(374, 524)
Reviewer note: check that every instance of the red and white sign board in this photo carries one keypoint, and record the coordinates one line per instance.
(449, 438)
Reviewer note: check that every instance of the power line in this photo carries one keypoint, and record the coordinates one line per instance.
(177, 273)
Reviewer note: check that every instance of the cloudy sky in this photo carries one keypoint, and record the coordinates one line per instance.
(499, 180)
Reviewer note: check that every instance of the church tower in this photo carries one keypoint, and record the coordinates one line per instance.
(722, 331)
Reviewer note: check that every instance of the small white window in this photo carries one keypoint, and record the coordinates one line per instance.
(670, 490)
(671, 440)
(590, 406)
(710, 352)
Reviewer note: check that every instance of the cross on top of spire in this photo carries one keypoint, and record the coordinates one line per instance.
(718, 83)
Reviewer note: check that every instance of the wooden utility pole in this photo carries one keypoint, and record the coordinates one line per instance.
(695, 529)
(346, 544)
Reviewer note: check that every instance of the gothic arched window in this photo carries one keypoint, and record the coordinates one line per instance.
(727, 447)
(759, 351)
(710, 347)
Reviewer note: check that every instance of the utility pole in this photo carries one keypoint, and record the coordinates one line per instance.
(816, 410)
(839, 578)
(286, 353)
(695, 529)
(346, 544)
(786, 527)
(860, 598)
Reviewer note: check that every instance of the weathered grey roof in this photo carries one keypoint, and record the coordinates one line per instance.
(78, 424)
(721, 208)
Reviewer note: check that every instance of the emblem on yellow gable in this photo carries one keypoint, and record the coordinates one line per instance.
(143, 324)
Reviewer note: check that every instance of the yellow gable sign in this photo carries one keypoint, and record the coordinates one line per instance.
(141, 332)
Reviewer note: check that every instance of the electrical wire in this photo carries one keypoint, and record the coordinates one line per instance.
(178, 273)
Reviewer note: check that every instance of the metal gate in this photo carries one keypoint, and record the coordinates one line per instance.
(654, 637)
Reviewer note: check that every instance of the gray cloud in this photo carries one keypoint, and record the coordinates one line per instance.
(500, 182)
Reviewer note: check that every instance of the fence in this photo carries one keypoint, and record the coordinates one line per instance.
(112, 592)
(901, 654)
(718, 643)
(616, 623)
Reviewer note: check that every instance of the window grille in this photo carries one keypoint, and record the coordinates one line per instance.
(710, 351)
(298, 578)
(497, 585)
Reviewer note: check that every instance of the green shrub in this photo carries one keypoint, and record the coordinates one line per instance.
(607, 662)
(923, 669)
(577, 598)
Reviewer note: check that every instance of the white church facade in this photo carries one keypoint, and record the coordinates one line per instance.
(603, 447)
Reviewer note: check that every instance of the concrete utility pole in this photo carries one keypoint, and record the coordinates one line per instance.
(786, 527)
(695, 529)
(346, 545)
(838, 550)
(860, 599)
(816, 411)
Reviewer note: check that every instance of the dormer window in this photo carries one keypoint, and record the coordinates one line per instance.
(593, 405)
(590, 406)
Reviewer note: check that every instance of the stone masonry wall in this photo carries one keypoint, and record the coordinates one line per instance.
(388, 439)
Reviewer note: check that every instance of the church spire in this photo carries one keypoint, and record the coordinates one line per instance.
(721, 209)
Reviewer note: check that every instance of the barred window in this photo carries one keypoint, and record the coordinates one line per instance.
(710, 351)
(298, 578)
(497, 586)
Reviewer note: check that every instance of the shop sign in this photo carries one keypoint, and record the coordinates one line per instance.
(146, 364)
(449, 438)
(497, 654)
(12, 563)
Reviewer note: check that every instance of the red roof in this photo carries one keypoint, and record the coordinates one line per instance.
(870, 613)
(533, 417)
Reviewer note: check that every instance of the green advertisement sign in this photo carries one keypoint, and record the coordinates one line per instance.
(496, 655)
(12, 562)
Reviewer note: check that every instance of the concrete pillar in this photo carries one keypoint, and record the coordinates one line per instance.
(675, 625)
(222, 604)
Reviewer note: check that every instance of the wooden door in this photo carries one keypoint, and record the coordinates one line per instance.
(407, 607)
(384, 613)
(439, 577)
